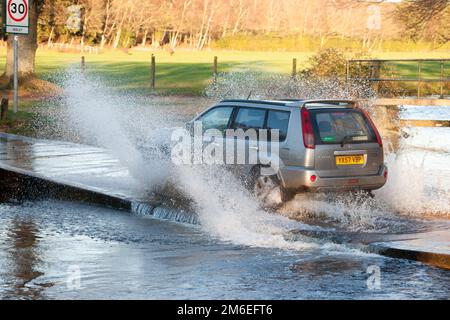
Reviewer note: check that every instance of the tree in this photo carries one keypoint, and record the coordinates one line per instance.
(426, 19)
(53, 20)
(27, 45)
(92, 19)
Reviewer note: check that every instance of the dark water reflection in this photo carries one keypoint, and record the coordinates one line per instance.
(23, 260)
(45, 246)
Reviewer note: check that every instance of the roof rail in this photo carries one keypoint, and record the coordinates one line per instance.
(273, 103)
(330, 101)
(335, 102)
(293, 100)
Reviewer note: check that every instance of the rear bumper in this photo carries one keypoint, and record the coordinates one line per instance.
(298, 178)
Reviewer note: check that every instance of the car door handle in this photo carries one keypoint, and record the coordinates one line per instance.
(254, 148)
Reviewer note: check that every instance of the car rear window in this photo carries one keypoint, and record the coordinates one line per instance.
(278, 120)
(333, 126)
(248, 118)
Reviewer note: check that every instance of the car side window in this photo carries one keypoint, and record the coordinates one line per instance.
(278, 120)
(249, 118)
(216, 118)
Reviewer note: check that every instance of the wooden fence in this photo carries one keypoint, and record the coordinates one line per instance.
(391, 71)
(377, 72)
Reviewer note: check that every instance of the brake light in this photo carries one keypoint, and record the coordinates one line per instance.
(374, 128)
(385, 174)
(307, 129)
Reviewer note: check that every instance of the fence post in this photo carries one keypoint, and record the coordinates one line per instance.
(376, 73)
(215, 69)
(83, 64)
(294, 68)
(442, 79)
(153, 72)
(4, 109)
(420, 78)
(347, 71)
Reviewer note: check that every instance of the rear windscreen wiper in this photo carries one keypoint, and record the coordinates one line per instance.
(347, 138)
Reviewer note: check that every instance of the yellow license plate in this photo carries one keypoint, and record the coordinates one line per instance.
(349, 160)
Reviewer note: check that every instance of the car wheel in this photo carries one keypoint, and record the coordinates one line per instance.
(286, 195)
(264, 185)
(267, 188)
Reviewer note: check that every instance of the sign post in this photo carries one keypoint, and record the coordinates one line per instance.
(16, 71)
(16, 23)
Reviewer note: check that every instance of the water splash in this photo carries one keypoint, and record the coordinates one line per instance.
(412, 190)
(92, 113)
(247, 84)
(228, 211)
(356, 212)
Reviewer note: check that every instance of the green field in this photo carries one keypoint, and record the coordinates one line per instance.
(184, 72)
(188, 72)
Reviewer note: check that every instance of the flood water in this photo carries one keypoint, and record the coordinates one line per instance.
(60, 250)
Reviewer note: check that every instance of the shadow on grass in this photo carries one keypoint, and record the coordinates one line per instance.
(136, 76)
(171, 78)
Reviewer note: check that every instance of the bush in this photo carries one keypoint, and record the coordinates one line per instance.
(332, 63)
(327, 63)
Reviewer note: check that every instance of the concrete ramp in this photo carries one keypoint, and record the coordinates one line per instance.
(35, 169)
(431, 247)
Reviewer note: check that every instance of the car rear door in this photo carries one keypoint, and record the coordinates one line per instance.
(250, 121)
(346, 143)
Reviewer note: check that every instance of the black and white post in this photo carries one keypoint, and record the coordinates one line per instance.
(16, 72)
(16, 23)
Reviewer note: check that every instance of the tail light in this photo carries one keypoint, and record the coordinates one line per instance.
(307, 129)
(385, 173)
(377, 134)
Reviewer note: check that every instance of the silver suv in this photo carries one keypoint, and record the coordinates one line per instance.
(323, 145)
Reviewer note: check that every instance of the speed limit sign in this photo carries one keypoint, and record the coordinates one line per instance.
(17, 16)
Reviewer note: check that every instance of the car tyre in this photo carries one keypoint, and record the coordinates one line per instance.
(262, 186)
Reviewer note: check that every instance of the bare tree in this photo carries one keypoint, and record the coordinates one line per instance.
(195, 22)
(426, 19)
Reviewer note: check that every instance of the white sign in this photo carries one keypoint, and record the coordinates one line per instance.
(73, 23)
(17, 16)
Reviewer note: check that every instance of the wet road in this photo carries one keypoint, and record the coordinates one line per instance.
(64, 250)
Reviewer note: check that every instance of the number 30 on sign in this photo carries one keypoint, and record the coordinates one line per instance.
(17, 16)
